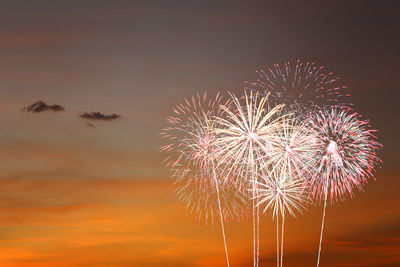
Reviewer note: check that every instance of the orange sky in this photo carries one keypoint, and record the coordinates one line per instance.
(136, 223)
(74, 195)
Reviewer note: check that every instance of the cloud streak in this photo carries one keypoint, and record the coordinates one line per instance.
(99, 116)
(41, 106)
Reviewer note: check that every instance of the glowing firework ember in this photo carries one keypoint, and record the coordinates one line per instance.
(300, 86)
(243, 136)
(347, 155)
(191, 156)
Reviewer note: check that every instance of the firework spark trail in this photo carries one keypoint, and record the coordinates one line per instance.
(277, 243)
(322, 226)
(282, 231)
(258, 232)
(242, 137)
(346, 153)
(255, 262)
(300, 85)
(191, 154)
(221, 218)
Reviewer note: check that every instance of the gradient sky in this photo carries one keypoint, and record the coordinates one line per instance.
(73, 195)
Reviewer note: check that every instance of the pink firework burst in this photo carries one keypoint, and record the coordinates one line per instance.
(187, 134)
(191, 157)
(346, 151)
(346, 156)
(300, 85)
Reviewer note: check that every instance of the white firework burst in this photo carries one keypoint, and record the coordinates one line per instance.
(242, 140)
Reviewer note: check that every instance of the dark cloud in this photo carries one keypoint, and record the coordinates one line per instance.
(40, 106)
(90, 125)
(99, 116)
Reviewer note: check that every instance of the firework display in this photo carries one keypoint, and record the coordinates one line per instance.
(289, 140)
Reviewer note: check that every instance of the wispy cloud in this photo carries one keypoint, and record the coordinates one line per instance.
(34, 39)
(41, 106)
(90, 125)
(99, 116)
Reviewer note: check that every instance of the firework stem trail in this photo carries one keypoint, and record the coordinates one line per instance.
(253, 177)
(277, 241)
(282, 231)
(254, 225)
(258, 232)
(221, 218)
(258, 220)
(322, 225)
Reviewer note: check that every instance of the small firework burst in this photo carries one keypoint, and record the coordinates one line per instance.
(346, 151)
(300, 86)
(280, 194)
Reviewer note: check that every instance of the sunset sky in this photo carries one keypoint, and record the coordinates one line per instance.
(85, 192)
